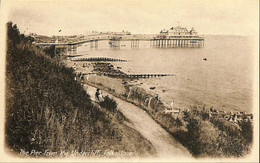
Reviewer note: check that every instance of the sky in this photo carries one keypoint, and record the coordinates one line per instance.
(221, 17)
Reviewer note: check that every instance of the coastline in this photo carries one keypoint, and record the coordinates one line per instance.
(120, 87)
(178, 121)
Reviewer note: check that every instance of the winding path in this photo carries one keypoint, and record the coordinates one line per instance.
(164, 143)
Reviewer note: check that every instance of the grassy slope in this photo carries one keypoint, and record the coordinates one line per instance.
(46, 109)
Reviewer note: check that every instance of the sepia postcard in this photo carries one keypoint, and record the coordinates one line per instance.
(129, 81)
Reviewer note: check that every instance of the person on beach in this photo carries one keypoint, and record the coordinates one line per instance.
(146, 101)
(157, 97)
(98, 96)
(211, 109)
(172, 103)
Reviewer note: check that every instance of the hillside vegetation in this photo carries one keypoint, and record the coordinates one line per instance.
(47, 110)
(202, 135)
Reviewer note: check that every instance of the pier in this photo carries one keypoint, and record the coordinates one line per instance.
(177, 42)
(175, 37)
(115, 43)
(135, 43)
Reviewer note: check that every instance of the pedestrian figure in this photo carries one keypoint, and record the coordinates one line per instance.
(146, 101)
(210, 115)
(230, 119)
(98, 96)
(235, 118)
(251, 116)
(157, 97)
(172, 104)
(203, 109)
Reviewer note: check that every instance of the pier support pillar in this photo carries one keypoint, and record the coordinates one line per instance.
(94, 44)
(115, 43)
(134, 43)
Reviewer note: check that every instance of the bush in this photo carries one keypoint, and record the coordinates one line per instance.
(109, 103)
(247, 130)
(50, 51)
(214, 137)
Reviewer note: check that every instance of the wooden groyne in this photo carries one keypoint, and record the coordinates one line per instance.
(123, 75)
(94, 59)
(146, 75)
(135, 76)
(72, 56)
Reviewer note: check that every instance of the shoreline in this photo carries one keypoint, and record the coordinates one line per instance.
(176, 121)
(121, 86)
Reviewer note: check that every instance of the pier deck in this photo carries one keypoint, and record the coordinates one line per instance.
(177, 41)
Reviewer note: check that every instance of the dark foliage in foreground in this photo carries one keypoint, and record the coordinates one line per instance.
(41, 96)
(46, 109)
(215, 137)
(109, 103)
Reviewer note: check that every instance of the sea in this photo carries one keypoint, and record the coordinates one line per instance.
(224, 80)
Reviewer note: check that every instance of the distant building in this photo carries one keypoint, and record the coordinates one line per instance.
(178, 31)
(193, 32)
(178, 37)
(122, 33)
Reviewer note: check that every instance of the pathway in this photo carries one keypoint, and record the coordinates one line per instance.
(164, 143)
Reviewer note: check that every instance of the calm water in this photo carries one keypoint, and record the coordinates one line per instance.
(223, 81)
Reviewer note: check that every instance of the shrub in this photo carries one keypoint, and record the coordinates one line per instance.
(50, 51)
(109, 103)
(247, 130)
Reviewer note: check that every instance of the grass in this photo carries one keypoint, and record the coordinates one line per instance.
(46, 109)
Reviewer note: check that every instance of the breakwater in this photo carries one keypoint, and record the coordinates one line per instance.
(134, 76)
(94, 59)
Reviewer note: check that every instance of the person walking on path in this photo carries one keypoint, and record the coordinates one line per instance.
(98, 96)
